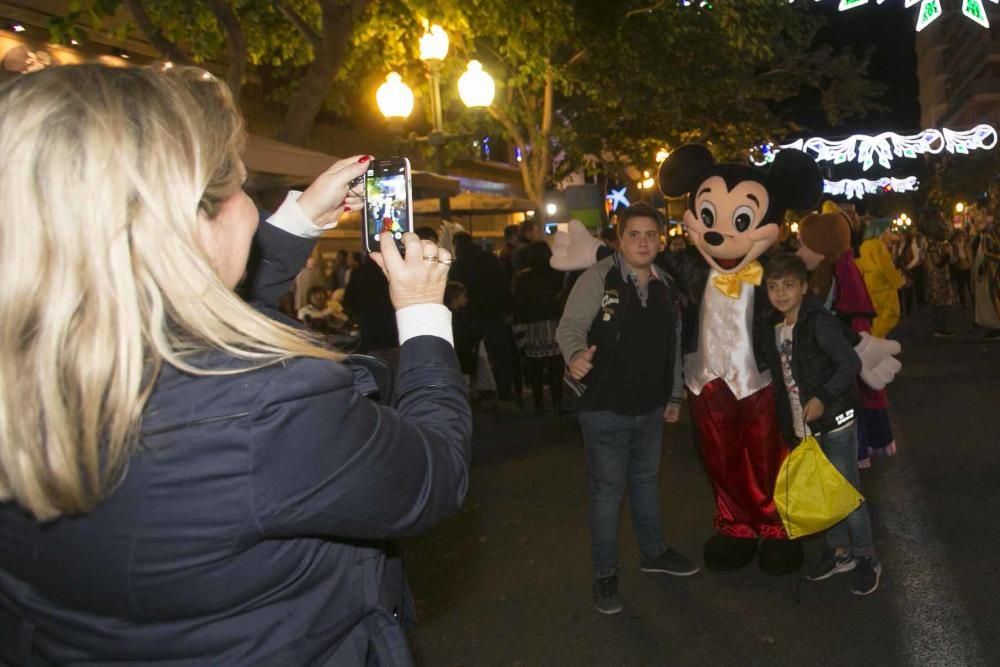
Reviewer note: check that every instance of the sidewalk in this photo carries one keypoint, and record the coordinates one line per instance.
(507, 581)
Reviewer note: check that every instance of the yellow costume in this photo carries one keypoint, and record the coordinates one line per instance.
(883, 281)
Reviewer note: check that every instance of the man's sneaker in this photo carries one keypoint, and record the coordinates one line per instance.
(866, 576)
(831, 564)
(606, 598)
(670, 562)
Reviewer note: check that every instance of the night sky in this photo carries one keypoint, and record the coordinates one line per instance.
(889, 29)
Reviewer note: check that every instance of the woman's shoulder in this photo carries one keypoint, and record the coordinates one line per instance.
(181, 398)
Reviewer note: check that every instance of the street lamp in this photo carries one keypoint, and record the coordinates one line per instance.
(394, 98)
(476, 87)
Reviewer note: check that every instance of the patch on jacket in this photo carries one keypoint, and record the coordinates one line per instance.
(608, 303)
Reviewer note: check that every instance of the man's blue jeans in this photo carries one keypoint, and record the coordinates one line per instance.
(623, 449)
(853, 534)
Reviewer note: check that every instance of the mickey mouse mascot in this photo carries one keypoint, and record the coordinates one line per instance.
(733, 216)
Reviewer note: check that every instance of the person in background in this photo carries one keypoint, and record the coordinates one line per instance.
(318, 313)
(367, 302)
(338, 277)
(537, 292)
(677, 245)
(354, 261)
(610, 237)
(986, 274)
(939, 257)
(881, 278)
(506, 254)
(529, 232)
(426, 233)
(811, 352)
(490, 307)
(185, 477)
(467, 339)
(961, 269)
(309, 277)
(620, 337)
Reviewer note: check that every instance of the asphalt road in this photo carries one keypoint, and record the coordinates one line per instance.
(507, 581)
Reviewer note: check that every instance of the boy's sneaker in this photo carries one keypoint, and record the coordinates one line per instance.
(831, 564)
(606, 597)
(670, 562)
(866, 576)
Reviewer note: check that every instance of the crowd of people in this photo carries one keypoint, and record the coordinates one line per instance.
(190, 472)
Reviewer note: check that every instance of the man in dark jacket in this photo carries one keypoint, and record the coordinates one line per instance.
(814, 354)
(620, 336)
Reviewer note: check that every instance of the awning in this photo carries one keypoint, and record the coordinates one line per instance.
(267, 156)
(476, 203)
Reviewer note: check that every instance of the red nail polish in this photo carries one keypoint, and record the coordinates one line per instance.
(346, 209)
(364, 158)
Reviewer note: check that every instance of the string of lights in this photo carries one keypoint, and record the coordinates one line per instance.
(930, 10)
(858, 188)
(884, 147)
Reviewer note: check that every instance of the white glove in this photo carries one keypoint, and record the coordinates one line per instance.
(878, 363)
(574, 249)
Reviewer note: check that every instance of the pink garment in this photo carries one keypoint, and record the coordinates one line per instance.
(852, 302)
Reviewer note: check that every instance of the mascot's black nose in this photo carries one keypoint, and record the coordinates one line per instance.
(714, 238)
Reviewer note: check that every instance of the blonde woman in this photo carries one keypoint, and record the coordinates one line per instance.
(184, 479)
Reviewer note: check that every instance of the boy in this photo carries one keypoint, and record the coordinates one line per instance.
(817, 362)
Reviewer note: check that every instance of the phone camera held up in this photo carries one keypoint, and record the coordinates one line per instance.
(388, 202)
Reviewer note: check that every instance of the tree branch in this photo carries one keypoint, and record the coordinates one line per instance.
(300, 23)
(518, 138)
(646, 10)
(236, 44)
(155, 36)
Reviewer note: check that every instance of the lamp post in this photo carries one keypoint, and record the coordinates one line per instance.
(475, 88)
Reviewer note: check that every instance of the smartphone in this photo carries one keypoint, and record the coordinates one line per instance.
(388, 202)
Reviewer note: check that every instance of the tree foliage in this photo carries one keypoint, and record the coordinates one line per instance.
(580, 83)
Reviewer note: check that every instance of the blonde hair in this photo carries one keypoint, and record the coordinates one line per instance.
(103, 277)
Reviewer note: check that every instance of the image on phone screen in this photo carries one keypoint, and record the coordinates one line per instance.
(387, 204)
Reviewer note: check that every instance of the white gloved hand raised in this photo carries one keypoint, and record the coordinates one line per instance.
(878, 363)
(574, 249)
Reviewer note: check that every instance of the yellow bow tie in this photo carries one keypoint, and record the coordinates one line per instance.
(730, 284)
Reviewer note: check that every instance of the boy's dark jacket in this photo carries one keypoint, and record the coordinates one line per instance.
(824, 365)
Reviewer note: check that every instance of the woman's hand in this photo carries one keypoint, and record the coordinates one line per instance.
(418, 278)
(331, 194)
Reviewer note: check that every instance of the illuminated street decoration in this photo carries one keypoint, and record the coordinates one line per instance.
(858, 188)
(618, 198)
(930, 10)
(884, 147)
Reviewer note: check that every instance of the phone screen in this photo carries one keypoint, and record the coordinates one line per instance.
(388, 202)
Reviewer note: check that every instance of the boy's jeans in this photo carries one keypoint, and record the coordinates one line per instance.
(853, 534)
(623, 449)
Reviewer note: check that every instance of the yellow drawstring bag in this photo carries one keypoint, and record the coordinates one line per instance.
(812, 495)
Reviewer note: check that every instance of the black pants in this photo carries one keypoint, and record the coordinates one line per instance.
(939, 317)
(961, 278)
(542, 371)
(499, 342)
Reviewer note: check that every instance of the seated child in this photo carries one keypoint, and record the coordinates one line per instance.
(813, 353)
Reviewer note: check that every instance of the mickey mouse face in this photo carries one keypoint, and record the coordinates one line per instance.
(727, 226)
(734, 210)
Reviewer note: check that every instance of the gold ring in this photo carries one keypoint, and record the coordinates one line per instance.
(430, 258)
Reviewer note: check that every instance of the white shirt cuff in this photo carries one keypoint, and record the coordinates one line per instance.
(424, 319)
(290, 218)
